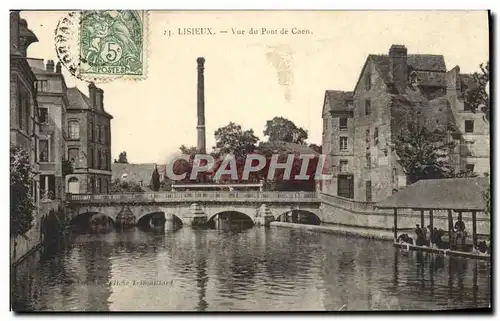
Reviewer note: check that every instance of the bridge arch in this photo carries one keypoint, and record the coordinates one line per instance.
(230, 218)
(177, 219)
(88, 219)
(299, 216)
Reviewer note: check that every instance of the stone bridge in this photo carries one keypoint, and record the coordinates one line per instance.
(192, 208)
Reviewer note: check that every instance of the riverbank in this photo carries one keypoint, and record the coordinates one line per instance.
(344, 230)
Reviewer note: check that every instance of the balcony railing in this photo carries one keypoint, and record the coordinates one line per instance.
(208, 196)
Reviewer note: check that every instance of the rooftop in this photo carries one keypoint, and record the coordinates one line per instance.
(464, 194)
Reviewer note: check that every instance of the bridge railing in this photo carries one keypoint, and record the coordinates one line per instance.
(195, 196)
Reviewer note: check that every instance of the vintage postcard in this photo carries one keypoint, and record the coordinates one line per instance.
(250, 161)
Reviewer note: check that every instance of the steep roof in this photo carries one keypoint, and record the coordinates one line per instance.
(290, 147)
(77, 99)
(335, 100)
(452, 193)
(134, 172)
(432, 63)
(431, 78)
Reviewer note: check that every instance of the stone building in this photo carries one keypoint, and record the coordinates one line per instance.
(359, 126)
(52, 105)
(24, 129)
(23, 124)
(88, 142)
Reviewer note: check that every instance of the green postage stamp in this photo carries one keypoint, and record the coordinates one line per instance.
(112, 43)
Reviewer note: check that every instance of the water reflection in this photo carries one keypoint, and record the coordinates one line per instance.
(254, 269)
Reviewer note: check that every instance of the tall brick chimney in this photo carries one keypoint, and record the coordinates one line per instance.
(92, 94)
(99, 98)
(200, 128)
(399, 67)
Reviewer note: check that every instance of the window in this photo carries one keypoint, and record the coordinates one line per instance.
(91, 131)
(74, 129)
(343, 123)
(23, 111)
(413, 80)
(345, 186)
(468, 107)
(106, 160)
(368, 107)
(91, 185)
(343, 143)
(394, 176)
(98, 185)
(44, 113)
(98, 132)
(20, 110)
(73, 156)
(90, 160)
(469, 126)
(375, 136)
(42, 85)
(99, 159)
(325, 125)
(368, 191)
(349, 103)
(44, 150)
(344, 166)
(368, 81)
(367, 138)
(368, 160)
(104, 134)
(469, 168)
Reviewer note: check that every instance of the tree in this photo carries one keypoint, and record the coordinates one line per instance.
(282, 129)
(423, 150)
(188, 150)
(119, 186)
(122, 158)
(316, 148)
(477, 97)
(21, 198)
(155, 180)
(231, 139)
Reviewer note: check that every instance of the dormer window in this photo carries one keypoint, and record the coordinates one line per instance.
(368, 80)
(413, 80)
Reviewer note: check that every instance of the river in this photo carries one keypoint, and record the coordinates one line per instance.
(259, 269)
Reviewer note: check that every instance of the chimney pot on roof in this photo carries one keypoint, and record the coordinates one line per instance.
(398, 55)
(92, 94)
(58, 67)
(50, 66)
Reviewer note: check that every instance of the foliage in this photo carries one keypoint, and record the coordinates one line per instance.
(155, 180)
(282, 129)
(477, 97)
(316, 148)
(122, 158)
(187, 150)
(231, 139)
(119, 186)
(21, 198)
(423, 150)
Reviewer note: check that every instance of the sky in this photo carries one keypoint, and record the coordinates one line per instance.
(251, 78)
